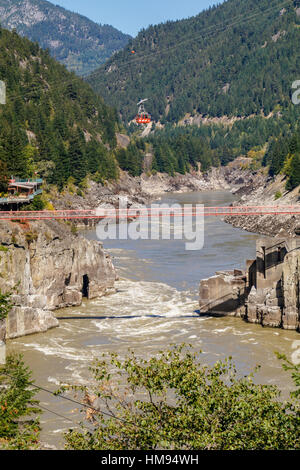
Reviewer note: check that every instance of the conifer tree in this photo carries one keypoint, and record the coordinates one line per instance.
(294, 179)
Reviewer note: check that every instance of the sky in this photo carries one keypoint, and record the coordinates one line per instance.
(133, 15)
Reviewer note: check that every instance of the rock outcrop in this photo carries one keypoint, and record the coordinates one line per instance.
(48, 267)
(267, 292)
(145, 188)
(271, 192)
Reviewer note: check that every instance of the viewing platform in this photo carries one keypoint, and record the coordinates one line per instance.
(21, 191)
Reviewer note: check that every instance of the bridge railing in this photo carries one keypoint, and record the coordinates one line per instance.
(103, 213)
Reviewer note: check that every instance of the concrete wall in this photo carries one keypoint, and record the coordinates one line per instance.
(267, 293)
(270, 254)
(274, 300)
(223, 293)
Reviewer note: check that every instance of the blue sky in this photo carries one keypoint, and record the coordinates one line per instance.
(133, 15)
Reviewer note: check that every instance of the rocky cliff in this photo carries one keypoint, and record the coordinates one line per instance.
(48, 267)
(267, 191)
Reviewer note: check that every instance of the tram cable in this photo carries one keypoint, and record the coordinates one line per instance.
(215, 31)
(153, 55)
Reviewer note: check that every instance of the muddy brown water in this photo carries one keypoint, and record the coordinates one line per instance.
(155, 305)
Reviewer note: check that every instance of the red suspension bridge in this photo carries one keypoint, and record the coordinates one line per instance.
(132, 213)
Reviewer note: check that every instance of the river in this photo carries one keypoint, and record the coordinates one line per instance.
(155, 305)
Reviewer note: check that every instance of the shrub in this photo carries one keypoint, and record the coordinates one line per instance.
(172, 401)
(19, 425)
(31, 236)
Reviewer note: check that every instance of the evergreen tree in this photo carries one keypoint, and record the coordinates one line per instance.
(3, 177)
(77, 157)
(294, 179)
(19, 425)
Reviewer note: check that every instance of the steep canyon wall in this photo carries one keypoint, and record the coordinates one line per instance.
(47, 267)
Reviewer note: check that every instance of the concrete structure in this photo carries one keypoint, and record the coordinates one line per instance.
(267, 292)
(224, 293)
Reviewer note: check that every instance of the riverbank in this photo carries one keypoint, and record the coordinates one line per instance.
(146, 188)
(267, 192)
(155, 305)
(265, 291)
(41, 247)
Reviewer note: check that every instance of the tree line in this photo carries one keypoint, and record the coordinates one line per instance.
(52, 123)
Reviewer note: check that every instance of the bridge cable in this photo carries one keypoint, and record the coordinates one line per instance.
(221, 27)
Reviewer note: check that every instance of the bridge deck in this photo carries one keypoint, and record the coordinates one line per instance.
(104, 213)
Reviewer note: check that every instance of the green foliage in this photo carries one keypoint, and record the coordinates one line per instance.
(294, 369)
(179, 149)
(74, 229)
(294, 179)
(228, 60)
(194, 68)
(38, 204)
(51, 120)
(278, 195)
(19, 425)
(172, 401)
(5, 300)
(3, 177)
(131, 159)
(74, 40)
(283, 156)
(31, 236)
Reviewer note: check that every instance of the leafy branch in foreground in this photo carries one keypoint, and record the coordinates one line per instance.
(295, 371)
(19, 425)
(172, 401)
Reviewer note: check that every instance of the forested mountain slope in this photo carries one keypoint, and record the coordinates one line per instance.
(236, 59)
(53, 123)
(74, 40)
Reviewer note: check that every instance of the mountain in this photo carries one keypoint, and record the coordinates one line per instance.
(72, 39)
(236, 59)
(53, 123)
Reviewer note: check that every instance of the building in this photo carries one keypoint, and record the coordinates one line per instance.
(20, 191)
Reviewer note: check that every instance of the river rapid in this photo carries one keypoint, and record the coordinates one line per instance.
(156, 304)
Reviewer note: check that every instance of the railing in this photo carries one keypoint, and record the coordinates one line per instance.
(20, 198)
(282, 244)
(26, 180)
(103, 213)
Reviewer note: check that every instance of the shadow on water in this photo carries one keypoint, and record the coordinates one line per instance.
(114, 317)
(210, 314)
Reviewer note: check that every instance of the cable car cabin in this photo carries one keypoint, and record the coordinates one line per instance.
(143, 118)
